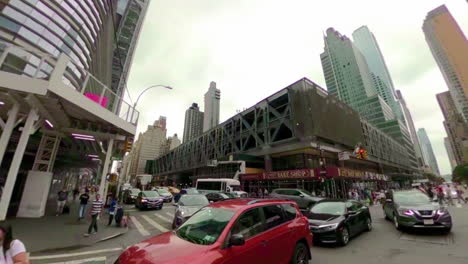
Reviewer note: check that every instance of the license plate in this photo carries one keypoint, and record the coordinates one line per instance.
(428, 222)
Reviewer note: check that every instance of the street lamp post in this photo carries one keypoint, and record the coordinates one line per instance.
(144, 91)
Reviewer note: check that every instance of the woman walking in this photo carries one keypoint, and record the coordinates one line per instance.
(12, 250)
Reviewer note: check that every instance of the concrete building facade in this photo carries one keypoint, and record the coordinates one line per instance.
(449, 47)
(450, 153)
(427, 151)
(349, 78)
(456, 128)
(211, 110)
(193, 125)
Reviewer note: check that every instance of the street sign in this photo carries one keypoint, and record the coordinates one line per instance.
(343, 155)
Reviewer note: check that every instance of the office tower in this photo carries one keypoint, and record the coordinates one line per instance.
(193, 126)
(449, 47)
(450, 153)
(150, 144)
(411, 127)
(130, 15)
(456, 128)
(172, 143)
(367, 44)
(212, 98)
(427, 151)
(348, 78)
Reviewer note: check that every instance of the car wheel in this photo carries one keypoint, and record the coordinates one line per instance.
(368, 224)
(395, 222)
(344, 237)
(447, 230)
(301, 254)
(385, 215)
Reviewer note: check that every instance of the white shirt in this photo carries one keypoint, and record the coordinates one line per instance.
(16, 247)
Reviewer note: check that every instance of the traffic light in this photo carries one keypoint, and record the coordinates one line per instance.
(128, 145)
(361, 154)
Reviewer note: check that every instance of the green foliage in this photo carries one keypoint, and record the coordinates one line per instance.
(460, 173)
(434, 178)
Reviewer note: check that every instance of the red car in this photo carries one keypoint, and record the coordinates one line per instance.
(231, 232)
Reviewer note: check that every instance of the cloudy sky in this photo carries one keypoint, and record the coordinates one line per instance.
(252, 48)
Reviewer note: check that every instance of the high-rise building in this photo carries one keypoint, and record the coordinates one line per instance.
(211, 115)
(450, 153)
(427, 151)
(150, 144)
(349, 78)
(367, 44)
(172, 143)
(129, 17)
(193, 126)
(412, 128)
(449, 47)
(456, 128)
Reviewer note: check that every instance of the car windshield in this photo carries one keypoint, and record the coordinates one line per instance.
(191, 191)
(151, 194)
(235, 188)
(205, 226)
(193, 200)
(331, 208)
(163, 192)
(135, 191)
(229, 195)
(410, 198)
(306, 192)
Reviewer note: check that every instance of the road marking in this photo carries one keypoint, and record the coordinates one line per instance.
(75, 254)
(80, 261)
(170, 215)
(153, 223)
(163, 218)
(140, 227)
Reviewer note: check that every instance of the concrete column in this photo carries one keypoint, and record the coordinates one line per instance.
(105, 169)
(268, 163)
(6, 134)
(16, 162)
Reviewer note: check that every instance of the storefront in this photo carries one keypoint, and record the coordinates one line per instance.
(328, 181)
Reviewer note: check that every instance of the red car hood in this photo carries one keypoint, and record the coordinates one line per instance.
(166, 248)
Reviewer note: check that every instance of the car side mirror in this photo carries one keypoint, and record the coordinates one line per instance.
(237, 240)
(350, 213)
(301, 195)
(389, 201)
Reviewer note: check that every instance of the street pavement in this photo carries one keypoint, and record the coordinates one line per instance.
(383, 245)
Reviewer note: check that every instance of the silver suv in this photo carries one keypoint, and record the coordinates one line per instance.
(303, 198)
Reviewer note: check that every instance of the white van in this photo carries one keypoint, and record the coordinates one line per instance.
(219, 185)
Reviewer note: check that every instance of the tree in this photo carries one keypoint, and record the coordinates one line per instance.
(434, 178)
(460, 173)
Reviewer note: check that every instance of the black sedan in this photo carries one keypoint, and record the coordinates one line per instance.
(336, 221)
(149, 199)
(414, 209)
(216, 197)
(130, 195)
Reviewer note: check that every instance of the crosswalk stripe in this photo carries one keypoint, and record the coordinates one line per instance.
(163, 218)
(170, 215)
(156, 225)
(140, 227)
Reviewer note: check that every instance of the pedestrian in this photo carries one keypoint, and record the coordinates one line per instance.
(460, 196)
(260, 193)
(83, 203)
(62, 197)
(75, 193)
(112, 209)
(12, 250)
(440, 194)
(96, 209)
(265, 193)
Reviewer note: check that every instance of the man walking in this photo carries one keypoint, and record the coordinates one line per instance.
(61, 200)
(83, 202)
(96, 209)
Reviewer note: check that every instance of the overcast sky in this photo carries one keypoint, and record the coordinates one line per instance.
(253, 48)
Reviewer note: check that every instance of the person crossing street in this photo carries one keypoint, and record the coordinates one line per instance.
(96, 209)
(83, 203)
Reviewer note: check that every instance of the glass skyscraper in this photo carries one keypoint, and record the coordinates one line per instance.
(427, 151)
(348, 77)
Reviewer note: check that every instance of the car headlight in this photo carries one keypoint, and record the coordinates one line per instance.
(441, 212)
(406, 212)
(328, 227)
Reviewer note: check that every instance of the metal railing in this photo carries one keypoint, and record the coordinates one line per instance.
(37, 65)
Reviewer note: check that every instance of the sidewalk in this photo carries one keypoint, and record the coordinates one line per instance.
(51, 233)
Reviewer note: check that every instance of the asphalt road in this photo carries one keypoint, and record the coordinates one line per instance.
(383, 245)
